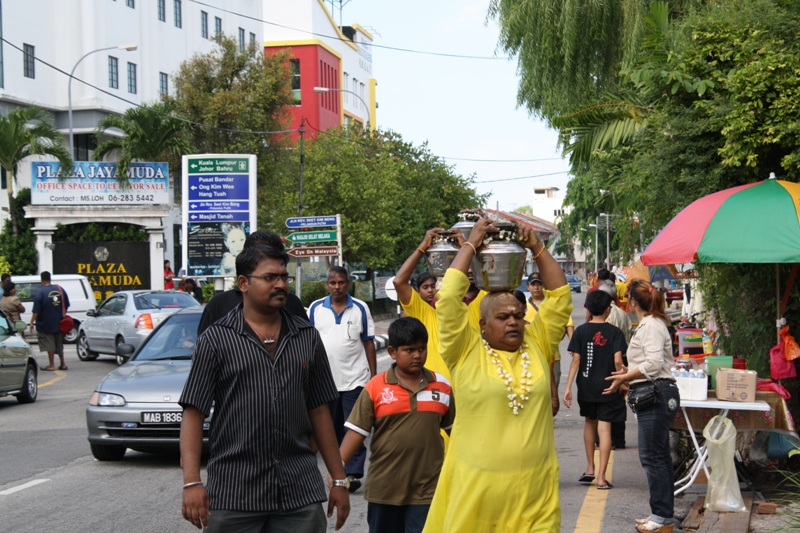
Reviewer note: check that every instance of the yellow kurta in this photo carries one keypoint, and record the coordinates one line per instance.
(530, 314)
(422, 311)
(501, 470)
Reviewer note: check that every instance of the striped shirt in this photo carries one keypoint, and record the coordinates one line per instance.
(260, 459)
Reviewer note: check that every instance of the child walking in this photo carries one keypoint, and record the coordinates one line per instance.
(406, 406)
(597, 349)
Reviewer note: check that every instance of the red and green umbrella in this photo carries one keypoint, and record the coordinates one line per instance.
(753, 223)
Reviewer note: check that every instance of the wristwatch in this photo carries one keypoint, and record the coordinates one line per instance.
(341, 483)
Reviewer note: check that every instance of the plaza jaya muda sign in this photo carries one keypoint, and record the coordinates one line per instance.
(96, 183)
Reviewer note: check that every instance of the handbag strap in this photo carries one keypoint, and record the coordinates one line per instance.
(63, 305)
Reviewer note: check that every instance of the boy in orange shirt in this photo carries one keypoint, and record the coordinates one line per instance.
(406, 406)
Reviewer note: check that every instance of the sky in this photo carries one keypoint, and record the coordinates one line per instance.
(463, 108)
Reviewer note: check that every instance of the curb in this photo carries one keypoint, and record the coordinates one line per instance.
(381, 341)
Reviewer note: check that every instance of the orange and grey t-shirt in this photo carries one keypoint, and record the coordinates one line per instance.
(406, 451)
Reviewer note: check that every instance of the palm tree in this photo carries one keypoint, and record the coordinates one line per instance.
(150, 134)
(20, 139)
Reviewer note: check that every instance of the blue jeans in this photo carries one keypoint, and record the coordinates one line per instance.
(654, 450)
(340, 411)
(384, 518)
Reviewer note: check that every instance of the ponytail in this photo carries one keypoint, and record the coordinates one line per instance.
(648, 297)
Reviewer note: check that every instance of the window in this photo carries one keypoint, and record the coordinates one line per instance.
(178, 13)
(132, 78)
(162, 10)
(204, 25)
(253, 42)
(217, 27)
(241, 39)
(345, 84)
(85, 145)
(130, 3)
(28, 65)
(3, 179)
(113, 72)
(294, 64)
(163, 84)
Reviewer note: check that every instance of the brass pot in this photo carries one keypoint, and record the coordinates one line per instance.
(441, 254)
(500, 263)
(466, 220)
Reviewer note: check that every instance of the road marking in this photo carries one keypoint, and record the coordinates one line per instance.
(60, 374)
(384, 357)
(24, 486)
(594, 503)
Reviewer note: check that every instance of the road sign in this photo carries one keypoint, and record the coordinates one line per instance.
(310, 222)
(219, 187)
(218, 164)
(312, 236)
(219, 206)
(231, 216)
(312, 251)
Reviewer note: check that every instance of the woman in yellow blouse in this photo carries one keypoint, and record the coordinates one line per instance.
(501, 471)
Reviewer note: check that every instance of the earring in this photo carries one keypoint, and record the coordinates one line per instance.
(483, 331)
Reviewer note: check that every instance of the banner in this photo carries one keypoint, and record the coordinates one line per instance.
(95, 183)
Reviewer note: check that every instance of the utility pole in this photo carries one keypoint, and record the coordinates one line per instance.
(298, 282)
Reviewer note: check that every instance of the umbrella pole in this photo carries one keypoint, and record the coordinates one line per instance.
(778, 301)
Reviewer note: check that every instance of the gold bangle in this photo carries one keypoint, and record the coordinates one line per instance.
(420, 250)
(472, 246)
(536, 256)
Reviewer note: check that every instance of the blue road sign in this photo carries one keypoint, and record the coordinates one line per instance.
(229, 216)
(311, 222)
(218, 206)
(220, 187)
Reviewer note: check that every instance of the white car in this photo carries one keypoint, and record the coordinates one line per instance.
(127, 317)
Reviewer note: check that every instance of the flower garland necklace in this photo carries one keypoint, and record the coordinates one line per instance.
(525, 382)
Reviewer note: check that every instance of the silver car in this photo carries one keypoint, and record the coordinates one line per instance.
(136, 405)
(127, 317)
(18, 370)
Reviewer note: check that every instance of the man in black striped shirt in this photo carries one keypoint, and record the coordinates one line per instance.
(266, 373)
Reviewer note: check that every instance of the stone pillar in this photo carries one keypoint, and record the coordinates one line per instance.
(156, 239)
(45, 254)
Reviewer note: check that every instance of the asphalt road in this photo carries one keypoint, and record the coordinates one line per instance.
(49, 480)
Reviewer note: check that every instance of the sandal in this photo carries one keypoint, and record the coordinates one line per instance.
(655, 527)
(48, 368)
(586, 478)
(605, 487)
(63, 368)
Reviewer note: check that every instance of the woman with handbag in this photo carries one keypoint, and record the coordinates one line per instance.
(654, 398)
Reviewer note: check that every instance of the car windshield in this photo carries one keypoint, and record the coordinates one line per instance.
(164, 300)
(174, 339)
(571, 278)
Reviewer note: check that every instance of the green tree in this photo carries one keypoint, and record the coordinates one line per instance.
(235, 99)
(20, 250)
(23, 133)
(149, 135)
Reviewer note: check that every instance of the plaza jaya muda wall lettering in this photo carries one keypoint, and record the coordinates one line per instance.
(109, 266)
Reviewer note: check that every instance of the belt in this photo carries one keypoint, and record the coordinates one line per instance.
(643, 383)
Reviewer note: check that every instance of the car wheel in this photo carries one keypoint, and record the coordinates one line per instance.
(117, 342)
(107, 453)
(72, 336)
(30, 388)
(84, 353)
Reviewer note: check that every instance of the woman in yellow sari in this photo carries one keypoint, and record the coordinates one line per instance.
(501, 471)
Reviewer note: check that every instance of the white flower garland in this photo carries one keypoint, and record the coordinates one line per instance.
(524, 381)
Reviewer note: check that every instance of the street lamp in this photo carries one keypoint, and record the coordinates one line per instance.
(595, 245)
(608, 237)
(329, 89)
(128, 47)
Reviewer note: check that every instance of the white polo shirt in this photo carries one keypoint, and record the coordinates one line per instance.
(344, 336)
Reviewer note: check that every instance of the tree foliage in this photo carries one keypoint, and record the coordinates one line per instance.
(99, 232)
(388, 191)
(25, 132)
(20, 250)
(149, 134)
(237, 100)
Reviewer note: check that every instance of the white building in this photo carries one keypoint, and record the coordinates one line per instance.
(548, 205)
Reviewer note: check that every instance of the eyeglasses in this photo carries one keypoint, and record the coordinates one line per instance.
(272, 278)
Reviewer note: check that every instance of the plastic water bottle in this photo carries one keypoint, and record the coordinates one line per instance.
(700, 374)
(708, 346)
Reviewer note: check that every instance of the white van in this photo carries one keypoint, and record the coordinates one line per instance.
(79, 292)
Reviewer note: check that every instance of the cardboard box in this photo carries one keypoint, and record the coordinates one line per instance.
(736, 385)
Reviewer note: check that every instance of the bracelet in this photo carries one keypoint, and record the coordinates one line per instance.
(471, 246)
(420, 250)
(535, 257)
(192, 484)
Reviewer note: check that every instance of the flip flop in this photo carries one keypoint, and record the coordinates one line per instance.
(586, 478)
(48, 368)
(63, 368)
(605, 487)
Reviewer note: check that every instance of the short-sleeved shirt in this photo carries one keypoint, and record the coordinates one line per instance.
(222, 303)
(10, 306)
(530, 312)
(261, 458)
(407, 450)
(596, 343)
(425, 313)
(344, 336)
(48, 308)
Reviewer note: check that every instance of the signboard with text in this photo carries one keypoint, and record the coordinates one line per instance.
(219, 211)
(96, 183)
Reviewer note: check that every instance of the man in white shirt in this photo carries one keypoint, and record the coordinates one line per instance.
(347, 330)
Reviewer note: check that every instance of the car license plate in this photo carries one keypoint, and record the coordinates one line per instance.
(162, 418)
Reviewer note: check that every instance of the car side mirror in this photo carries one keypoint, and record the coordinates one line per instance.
(125, 350)
(91, 312)
(20, 326)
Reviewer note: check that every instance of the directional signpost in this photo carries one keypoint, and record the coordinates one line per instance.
(219, 210)
(314, 251)
(312, 236)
